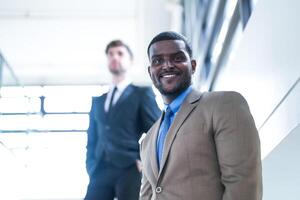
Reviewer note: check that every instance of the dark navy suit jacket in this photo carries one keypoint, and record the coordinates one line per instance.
(115, 134)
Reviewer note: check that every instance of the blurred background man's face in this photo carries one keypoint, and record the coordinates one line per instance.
(119, 60)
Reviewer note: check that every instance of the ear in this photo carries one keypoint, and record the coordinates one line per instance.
(149, 72)
(194, 65)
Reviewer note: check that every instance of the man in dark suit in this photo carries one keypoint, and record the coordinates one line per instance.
(117, 120)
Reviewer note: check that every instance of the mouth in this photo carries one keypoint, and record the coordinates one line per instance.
(168, 78)
(168, 75)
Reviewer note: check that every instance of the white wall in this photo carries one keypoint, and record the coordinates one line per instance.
(154, 17)
(281, 176)
(62, 42)
(266, 70)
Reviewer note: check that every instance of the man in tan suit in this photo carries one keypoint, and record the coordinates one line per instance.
(205, 146)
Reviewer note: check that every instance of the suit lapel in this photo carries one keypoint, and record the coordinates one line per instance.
(128, 90)
(153, 157)
(186, 108)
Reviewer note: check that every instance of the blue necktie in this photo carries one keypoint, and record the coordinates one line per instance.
(164, 127)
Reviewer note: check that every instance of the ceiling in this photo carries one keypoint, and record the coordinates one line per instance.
(62, 42)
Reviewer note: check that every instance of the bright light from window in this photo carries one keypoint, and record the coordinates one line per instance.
(10, 175)
(12, 92)
(229, 9)
(63, 122)
(75, 91)
(48, 122)
(14, 122)
(254, 2)
(19, 105)
(68, 104)
(51, 166)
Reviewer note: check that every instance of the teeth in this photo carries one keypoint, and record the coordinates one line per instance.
(168, 75)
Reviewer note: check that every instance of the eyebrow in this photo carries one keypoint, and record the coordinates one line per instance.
(171, 54)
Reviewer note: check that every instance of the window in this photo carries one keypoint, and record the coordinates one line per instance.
(43, 135)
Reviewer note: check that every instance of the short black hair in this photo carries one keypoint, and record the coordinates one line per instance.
(118, 43)
(171, 35)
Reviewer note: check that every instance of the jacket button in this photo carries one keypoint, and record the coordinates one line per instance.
(158, 190)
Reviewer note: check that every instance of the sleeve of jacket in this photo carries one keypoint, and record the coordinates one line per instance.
(145, 191)
(238, 148)
(91, 141)
(149, 110)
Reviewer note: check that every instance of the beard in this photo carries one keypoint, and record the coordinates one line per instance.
(179, 87)
(117, 70)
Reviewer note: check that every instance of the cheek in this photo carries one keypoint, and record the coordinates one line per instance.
(155, 76)
(152, 76)
(151, 72)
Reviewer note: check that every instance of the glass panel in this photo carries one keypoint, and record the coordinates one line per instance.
(48, 122)
(63, 122)
(44, 165)
(68, 104)
(9, 181)
(12, 92)
(229, 9)
(19, 105)
(75, 91)
(37, 91)
(14, 122)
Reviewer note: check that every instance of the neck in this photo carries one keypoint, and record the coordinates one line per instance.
(116, 79)
(168, 98)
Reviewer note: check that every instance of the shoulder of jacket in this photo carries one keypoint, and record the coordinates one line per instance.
(140, 88)
(97, 98)
(224, 97)
(222, 94)
(143, 90)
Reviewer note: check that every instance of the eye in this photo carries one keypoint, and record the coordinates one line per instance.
(179, 58)
(120, 53)
(156, 61)
(110, 54)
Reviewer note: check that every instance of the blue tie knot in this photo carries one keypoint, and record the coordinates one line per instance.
(168, 113)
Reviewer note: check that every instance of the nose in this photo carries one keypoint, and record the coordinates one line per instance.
(167, 64)
(115, 56)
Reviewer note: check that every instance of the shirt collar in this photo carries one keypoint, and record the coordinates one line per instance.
(122, 85)
(176, 103)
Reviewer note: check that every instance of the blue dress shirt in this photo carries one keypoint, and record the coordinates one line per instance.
(174, 107)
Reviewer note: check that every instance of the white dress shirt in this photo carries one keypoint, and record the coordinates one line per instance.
(120, 89)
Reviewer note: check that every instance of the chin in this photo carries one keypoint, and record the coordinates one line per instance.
(170, 91)
(115, 72)
(175, 90)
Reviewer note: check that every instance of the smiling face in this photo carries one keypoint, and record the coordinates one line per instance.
(171, 68)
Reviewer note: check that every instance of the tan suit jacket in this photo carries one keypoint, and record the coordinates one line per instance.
(211, 152)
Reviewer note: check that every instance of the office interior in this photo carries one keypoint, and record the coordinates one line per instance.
(52, 62)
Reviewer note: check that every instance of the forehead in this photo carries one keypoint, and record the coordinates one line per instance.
(167, 47)
(117, 49)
